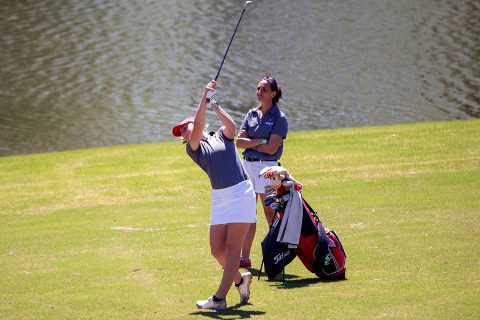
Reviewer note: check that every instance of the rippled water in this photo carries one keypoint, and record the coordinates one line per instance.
(77, 74)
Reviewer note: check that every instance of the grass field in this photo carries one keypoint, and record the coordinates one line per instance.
(122, 232)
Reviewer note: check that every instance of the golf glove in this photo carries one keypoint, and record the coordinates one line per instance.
(212, 100)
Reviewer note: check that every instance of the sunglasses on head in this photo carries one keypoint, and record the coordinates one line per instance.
(269, 79)
(272, 82)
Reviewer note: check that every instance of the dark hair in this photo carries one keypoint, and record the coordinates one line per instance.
(274, 87)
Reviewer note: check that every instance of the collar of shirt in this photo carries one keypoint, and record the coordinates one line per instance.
(273, 110)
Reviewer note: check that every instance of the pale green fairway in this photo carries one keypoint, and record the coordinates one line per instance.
(122, 232)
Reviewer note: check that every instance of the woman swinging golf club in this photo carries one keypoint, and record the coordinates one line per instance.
(233, 197)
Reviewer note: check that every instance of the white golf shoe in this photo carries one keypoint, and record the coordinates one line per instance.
(210, 304)
(244, 288)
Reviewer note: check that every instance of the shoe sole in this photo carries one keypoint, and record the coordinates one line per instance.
(201, 303)
(245, 299)
(199, 307)
(219, 308)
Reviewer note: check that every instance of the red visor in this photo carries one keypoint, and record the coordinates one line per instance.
(176, 129)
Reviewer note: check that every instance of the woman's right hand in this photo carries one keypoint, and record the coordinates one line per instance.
(210, 86)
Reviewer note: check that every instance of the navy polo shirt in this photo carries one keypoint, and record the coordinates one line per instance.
(274, 121)
(218, 157)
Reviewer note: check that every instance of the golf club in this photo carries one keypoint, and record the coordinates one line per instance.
(247, 3)
(211, 95)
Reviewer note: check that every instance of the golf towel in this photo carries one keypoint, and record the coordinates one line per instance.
(292, 221)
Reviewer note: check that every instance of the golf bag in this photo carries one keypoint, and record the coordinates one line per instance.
(276, 255)
(320, 249)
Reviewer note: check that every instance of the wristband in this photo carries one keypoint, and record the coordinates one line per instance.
(264, 141)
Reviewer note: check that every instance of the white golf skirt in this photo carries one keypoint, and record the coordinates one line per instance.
(234, 204)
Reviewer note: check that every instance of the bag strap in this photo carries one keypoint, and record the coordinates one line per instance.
(313, 212)
(339, 242)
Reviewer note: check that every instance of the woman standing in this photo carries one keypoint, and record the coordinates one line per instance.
(233, 197)
(261, 135)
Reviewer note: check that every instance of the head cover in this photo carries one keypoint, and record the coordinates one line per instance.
(176, 129)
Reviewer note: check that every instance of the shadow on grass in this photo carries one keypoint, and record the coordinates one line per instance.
(233, 312)
(290, 281)
(256, 273)
(304, 282)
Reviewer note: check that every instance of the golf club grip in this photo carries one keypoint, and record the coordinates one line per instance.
(229, 44)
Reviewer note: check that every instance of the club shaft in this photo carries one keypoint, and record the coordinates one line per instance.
(229, 44)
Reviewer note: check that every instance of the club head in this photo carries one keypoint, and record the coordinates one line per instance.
(248, 4)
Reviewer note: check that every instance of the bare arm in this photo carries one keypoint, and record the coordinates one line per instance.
(244, 142)
(198, 124)
(271, 146)
(228, 123)
(200, 115)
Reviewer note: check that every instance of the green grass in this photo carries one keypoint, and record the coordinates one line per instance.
(122, 232)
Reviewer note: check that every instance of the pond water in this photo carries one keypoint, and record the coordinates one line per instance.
(79, 74)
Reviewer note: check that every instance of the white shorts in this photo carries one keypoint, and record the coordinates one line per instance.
(253, 169)
(234, 204)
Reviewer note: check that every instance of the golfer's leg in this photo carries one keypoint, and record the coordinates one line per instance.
(236, 233)
(247, 244)
(218, 234)
(269, 211)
